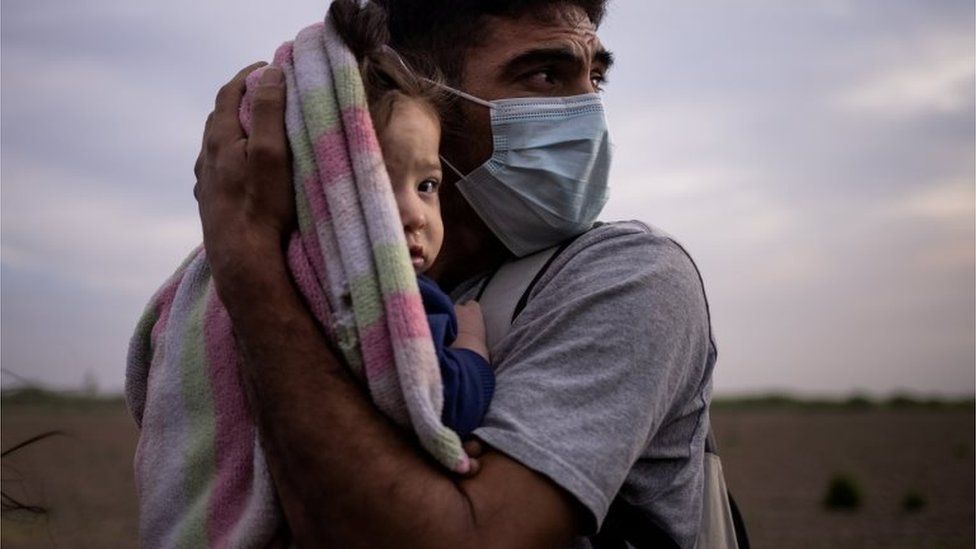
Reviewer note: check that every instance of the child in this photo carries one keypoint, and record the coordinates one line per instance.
(410, 137)
(404, 111)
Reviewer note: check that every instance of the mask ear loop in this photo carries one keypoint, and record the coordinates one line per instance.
(440, 85)
(451, 166)
(461, 94)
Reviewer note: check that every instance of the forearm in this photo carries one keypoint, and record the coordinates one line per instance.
(346, 476)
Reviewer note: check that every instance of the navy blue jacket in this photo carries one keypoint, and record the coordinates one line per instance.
(468, 379)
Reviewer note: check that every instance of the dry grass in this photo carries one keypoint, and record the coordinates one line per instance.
(779, 464)
(84, 478)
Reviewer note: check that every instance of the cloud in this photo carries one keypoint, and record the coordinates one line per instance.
(951, 202)
(53, 223)
(939, 81)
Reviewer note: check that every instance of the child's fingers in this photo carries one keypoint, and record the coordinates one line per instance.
(474, 448)
(469, 305)
(473, 467)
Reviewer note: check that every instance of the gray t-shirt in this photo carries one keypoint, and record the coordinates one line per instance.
(603, 382)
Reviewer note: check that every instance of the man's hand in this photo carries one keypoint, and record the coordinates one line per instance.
(244, 184)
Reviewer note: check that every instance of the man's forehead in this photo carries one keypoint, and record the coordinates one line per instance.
(567, 24)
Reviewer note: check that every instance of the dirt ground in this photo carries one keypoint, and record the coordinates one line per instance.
(778, 463)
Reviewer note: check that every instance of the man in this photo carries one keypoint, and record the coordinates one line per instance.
(602, 385)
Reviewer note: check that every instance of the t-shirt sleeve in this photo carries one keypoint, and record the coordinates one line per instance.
(613, 334)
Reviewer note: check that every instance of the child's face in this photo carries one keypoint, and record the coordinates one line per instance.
(410, 142)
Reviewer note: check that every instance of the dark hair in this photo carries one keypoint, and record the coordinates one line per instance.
(363, 27)
(443, 31)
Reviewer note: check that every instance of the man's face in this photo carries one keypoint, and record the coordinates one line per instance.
(552, 53)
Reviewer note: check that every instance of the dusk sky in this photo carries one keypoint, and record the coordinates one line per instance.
(816, 158)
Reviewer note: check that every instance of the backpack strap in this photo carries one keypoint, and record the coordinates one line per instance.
(505, 292)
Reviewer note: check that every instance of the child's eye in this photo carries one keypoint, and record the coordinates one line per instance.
(428, 186)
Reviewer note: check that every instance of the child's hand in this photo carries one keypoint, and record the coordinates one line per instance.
(474, 449)
(471, 328)
(470, 320)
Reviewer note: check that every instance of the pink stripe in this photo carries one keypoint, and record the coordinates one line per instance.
(304, 276)
(377, 351)
(411, 322)
(315, 197)
(164, 302)
(359, 125)
(330, 150)
(320, 213)
(233, 430)
(283, 54)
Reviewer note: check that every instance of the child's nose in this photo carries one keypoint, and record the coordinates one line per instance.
(412, 214)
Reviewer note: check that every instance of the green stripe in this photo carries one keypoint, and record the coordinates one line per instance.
(319, 111)
(199, 458)
(349, 87)
(303, 210)
(396, 272)
(304, 167)
(367, 304)
(301, 150)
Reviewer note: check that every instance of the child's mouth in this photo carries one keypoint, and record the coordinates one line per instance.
(417, 257)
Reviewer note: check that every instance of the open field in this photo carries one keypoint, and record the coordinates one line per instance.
(778, 461)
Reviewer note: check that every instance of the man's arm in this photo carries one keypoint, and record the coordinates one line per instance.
(345, 475)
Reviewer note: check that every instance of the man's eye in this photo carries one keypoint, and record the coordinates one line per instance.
(541, 78)
(428, 186)
(598, 81)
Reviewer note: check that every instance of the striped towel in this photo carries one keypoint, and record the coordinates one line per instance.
(200, 472)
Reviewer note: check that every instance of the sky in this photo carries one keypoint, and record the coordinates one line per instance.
(816, 158)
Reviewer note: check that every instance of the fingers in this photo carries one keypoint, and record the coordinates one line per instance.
(229, 96)
(267, 144)
(226, 125)
(198, 165)
(473, 467)
(474, 448)
(470, 305)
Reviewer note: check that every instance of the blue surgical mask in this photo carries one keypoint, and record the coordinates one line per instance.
(546, 180)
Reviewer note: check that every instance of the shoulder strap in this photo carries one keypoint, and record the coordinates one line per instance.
(505, 292)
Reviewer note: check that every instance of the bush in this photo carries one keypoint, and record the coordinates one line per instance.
(859, 402)
(843, 493)
(912, 502)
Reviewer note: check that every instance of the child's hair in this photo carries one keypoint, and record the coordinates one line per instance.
(385, 75)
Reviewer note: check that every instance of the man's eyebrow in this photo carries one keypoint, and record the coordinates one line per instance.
(604, 57)
(538, 56)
